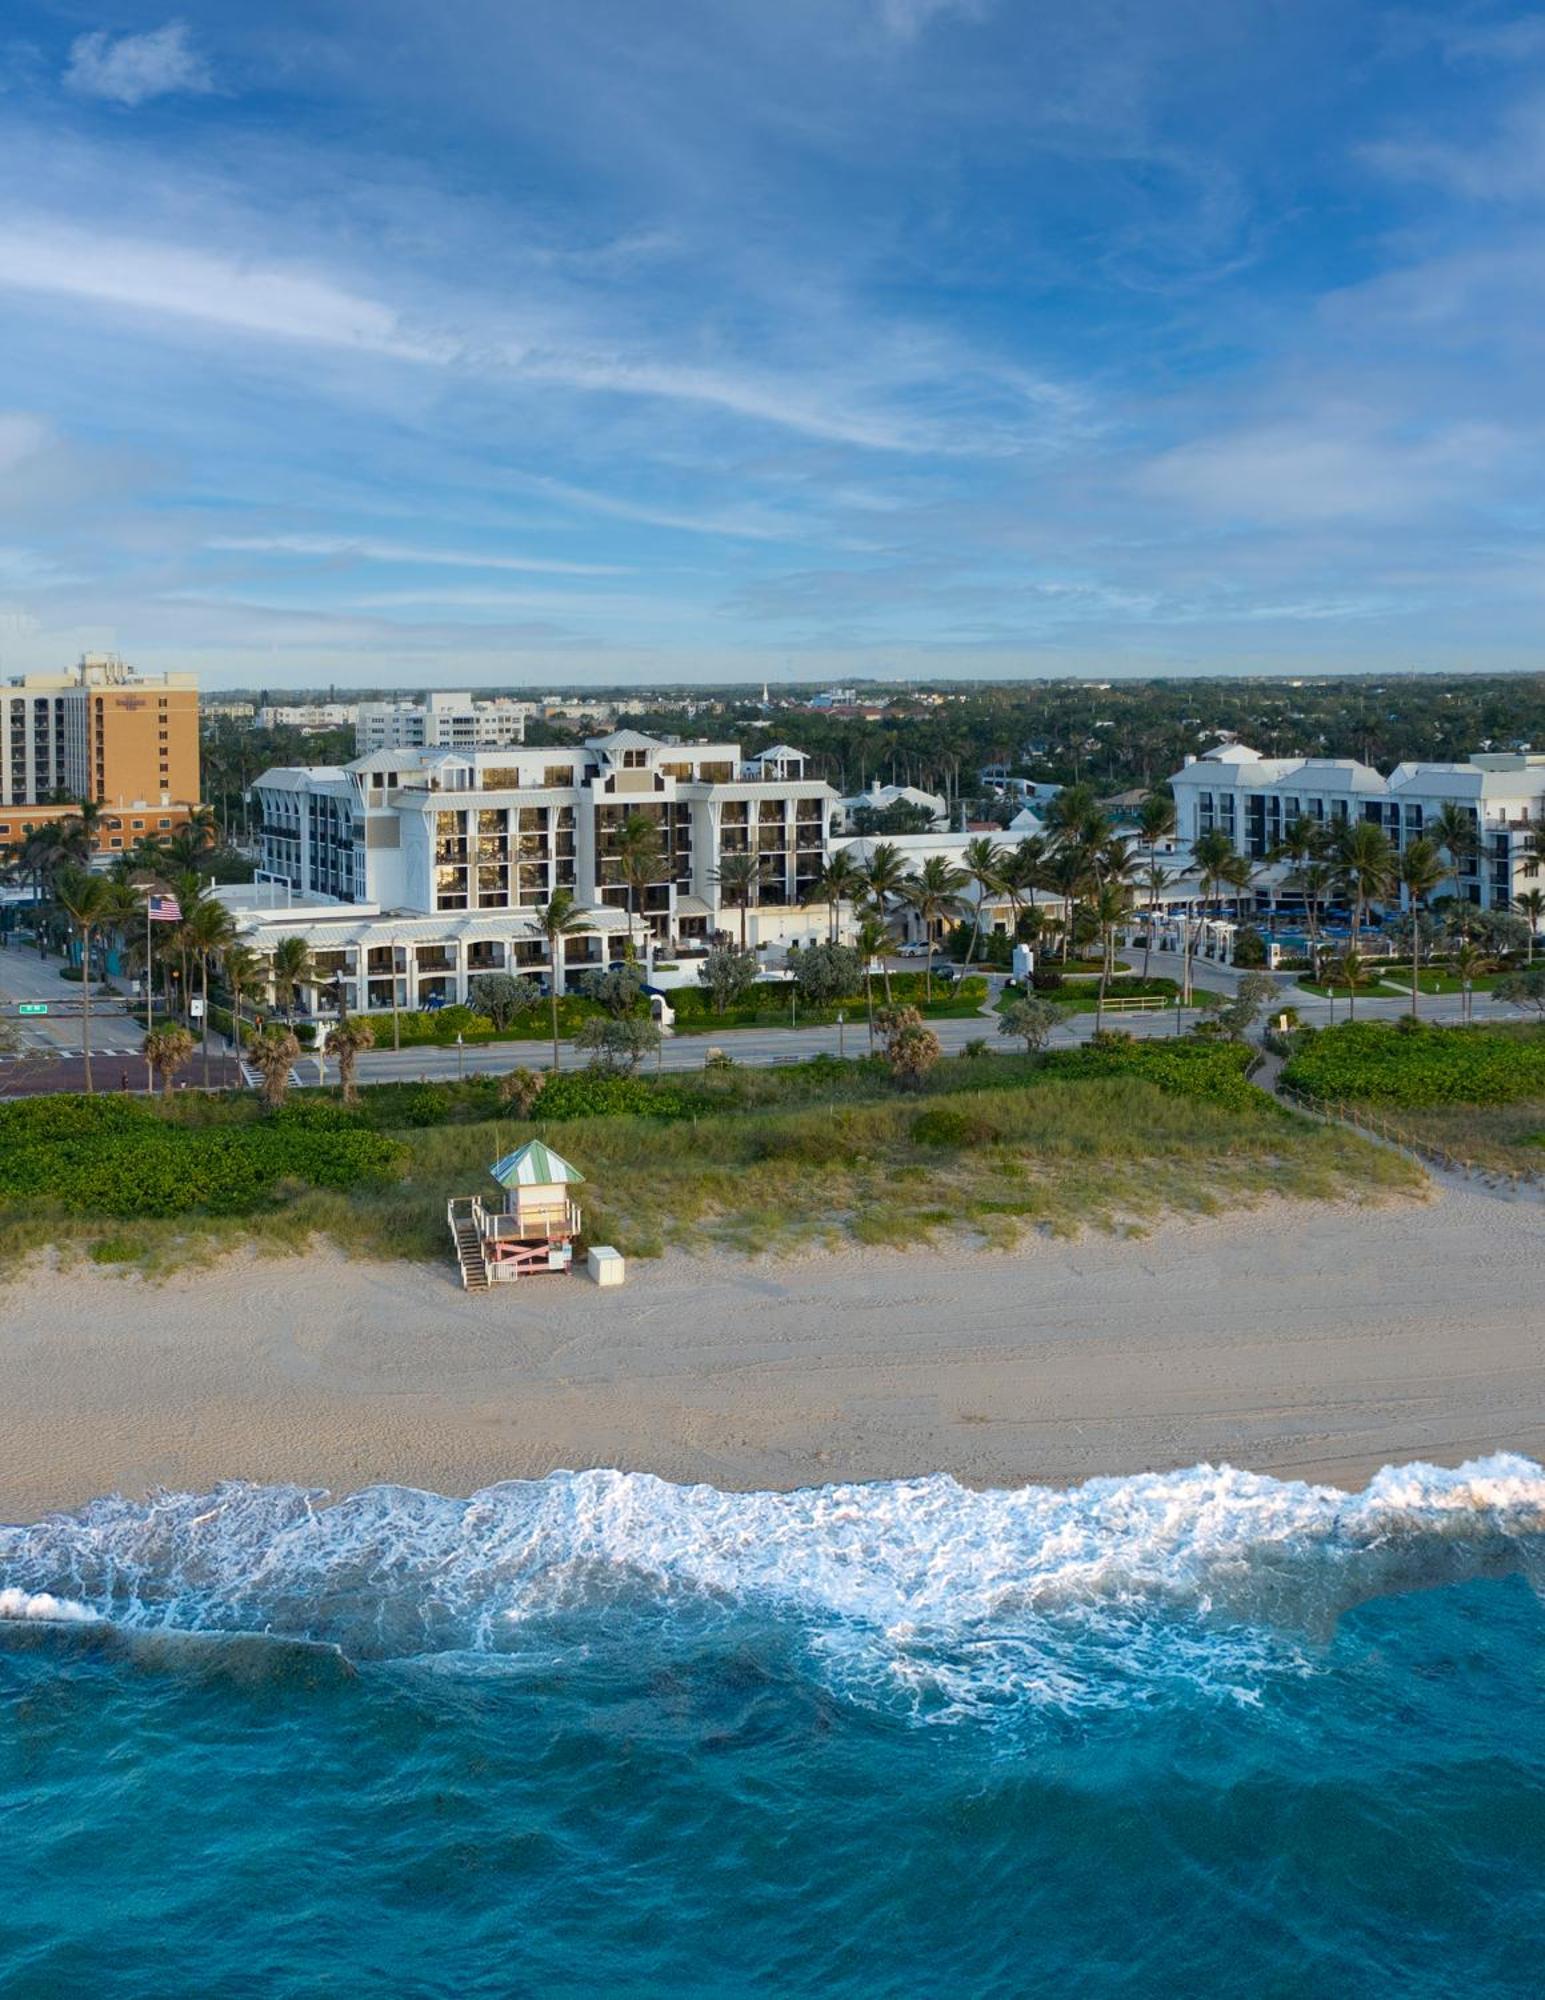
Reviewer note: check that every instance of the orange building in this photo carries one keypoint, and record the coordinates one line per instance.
(116, 832)
(100, 732)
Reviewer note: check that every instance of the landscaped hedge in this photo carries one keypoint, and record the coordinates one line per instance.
(113, 1157)
(1415, 1066)
(768, 1001)
(435, 1030)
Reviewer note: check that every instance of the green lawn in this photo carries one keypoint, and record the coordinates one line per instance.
(1442, 982)
(818, 1153)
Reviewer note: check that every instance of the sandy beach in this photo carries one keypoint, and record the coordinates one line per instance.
(1310, 1341)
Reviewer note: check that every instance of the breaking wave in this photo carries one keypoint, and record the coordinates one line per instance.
(918, 1593)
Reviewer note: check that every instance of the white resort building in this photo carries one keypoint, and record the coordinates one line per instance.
(1254, 799)
(439, 720)
(409, 871)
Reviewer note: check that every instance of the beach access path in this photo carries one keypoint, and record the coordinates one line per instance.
(1310, 1341)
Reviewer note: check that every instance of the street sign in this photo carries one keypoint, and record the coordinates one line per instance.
(33, 1007)
(196, 1006)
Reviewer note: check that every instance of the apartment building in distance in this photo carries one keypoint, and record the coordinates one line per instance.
(100, 732)
(411, 870)
(316, 715)
(440, 721)
(1254, 799)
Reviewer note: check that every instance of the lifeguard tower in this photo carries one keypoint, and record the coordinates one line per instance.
(526, 1229)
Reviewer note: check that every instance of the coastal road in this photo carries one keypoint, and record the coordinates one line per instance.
(50, 1045)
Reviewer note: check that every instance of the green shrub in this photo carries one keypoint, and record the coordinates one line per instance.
(816, 1142)
(1215, 1070)
(586, 1093)
(172, 1170)
(423, 1104)
(69, 1115)
(1414, 1065)
(949, 1125)
(316, 1114)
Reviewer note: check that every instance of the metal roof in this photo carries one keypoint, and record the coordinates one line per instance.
(534, 1165)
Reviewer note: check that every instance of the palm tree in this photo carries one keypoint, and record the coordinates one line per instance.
(1349, 969)
(1155, 821)
(1112, 902)
(1214, 859)
(1314, 881)
(272, 1054)
(1420, 871)
(208, 927)
(1531, 907)
(1021, 872)
(638, 862)
(1154, 883)
(1070, 875)
(982, 863)
(1303, 841)
(885, 873)
(243, 972)
(88, 901)
(1453, 829)
(1365, 865)
(125, 914)
(557, 919)
(346, 1042)
(740, 876)
(934, 894)
(872, 941)
(1469, 961)
(840, 881)
(167, 1049)
(1072, 815)
(291, 966)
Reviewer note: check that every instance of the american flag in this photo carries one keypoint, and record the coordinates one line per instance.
(163, 910)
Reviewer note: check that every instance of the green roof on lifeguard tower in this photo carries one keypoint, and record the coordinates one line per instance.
(534, 1165)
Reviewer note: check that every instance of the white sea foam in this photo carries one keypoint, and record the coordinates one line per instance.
(945, 1597)
(44, 1606)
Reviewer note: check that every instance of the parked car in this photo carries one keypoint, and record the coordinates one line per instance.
(912, 951)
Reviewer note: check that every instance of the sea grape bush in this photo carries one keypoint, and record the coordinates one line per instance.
(592, 1093)
(1218, 1071)
(171, 1170)
(1418, 1066)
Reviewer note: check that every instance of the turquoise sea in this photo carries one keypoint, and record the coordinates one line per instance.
(1202, 1733)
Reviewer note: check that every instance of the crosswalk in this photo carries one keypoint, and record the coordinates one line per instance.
(253, 1079)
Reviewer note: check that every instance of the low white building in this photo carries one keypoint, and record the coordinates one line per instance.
(452, 852)
(308, 715)
(879, 797)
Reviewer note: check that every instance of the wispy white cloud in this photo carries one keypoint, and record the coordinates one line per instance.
(132, 69)
(1331, 467)
(362, 549)
(1507, 164)
(291, 302)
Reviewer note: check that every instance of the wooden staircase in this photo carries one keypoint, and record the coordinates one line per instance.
(469, 1246)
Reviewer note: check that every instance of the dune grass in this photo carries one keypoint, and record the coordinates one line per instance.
(795, 1162)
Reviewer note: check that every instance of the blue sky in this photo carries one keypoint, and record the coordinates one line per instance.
(513, 342)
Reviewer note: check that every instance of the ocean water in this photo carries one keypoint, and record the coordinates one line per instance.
(1203, 1733)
